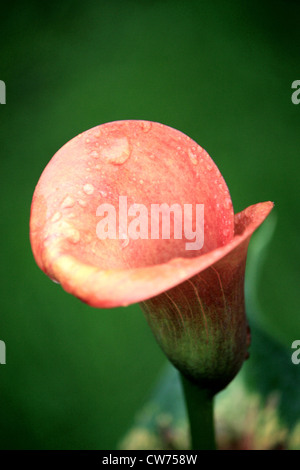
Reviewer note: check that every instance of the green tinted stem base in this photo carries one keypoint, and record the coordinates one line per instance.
(199, 405)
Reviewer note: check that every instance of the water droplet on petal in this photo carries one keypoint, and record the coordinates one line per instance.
(225, 232)
(73, 235)
(56, 217)
(141, 181)
(97, 132)
(227, 203)
(209, 167)
(103, 193)
(146, 126)
(193, 156)
(67, 202)
(82, 202)
(88, 188)
(117, 152)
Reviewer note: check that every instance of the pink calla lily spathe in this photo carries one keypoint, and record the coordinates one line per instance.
(193, 300)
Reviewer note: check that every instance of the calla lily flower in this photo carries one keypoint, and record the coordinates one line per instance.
(193, 299)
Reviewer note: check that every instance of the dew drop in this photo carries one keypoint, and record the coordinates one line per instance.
(73, 235)
(97, 133)
(225, 232)
(117, 152)
(227, 203)
(82, 202)
(209, 167)
(88, 188)
(141, 181)
(67, 202)
(56, 217)
(103, 193)
(146, 126)
(193, 156)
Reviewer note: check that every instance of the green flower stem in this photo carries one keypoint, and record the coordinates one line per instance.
(199, 404)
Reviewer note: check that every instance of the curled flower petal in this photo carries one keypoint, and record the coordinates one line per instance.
(193, 298)
(201, 323)
(149, 164)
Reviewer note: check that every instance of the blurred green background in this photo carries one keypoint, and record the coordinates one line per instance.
(219, 71)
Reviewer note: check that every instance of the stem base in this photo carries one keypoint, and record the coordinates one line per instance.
(199, 403)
